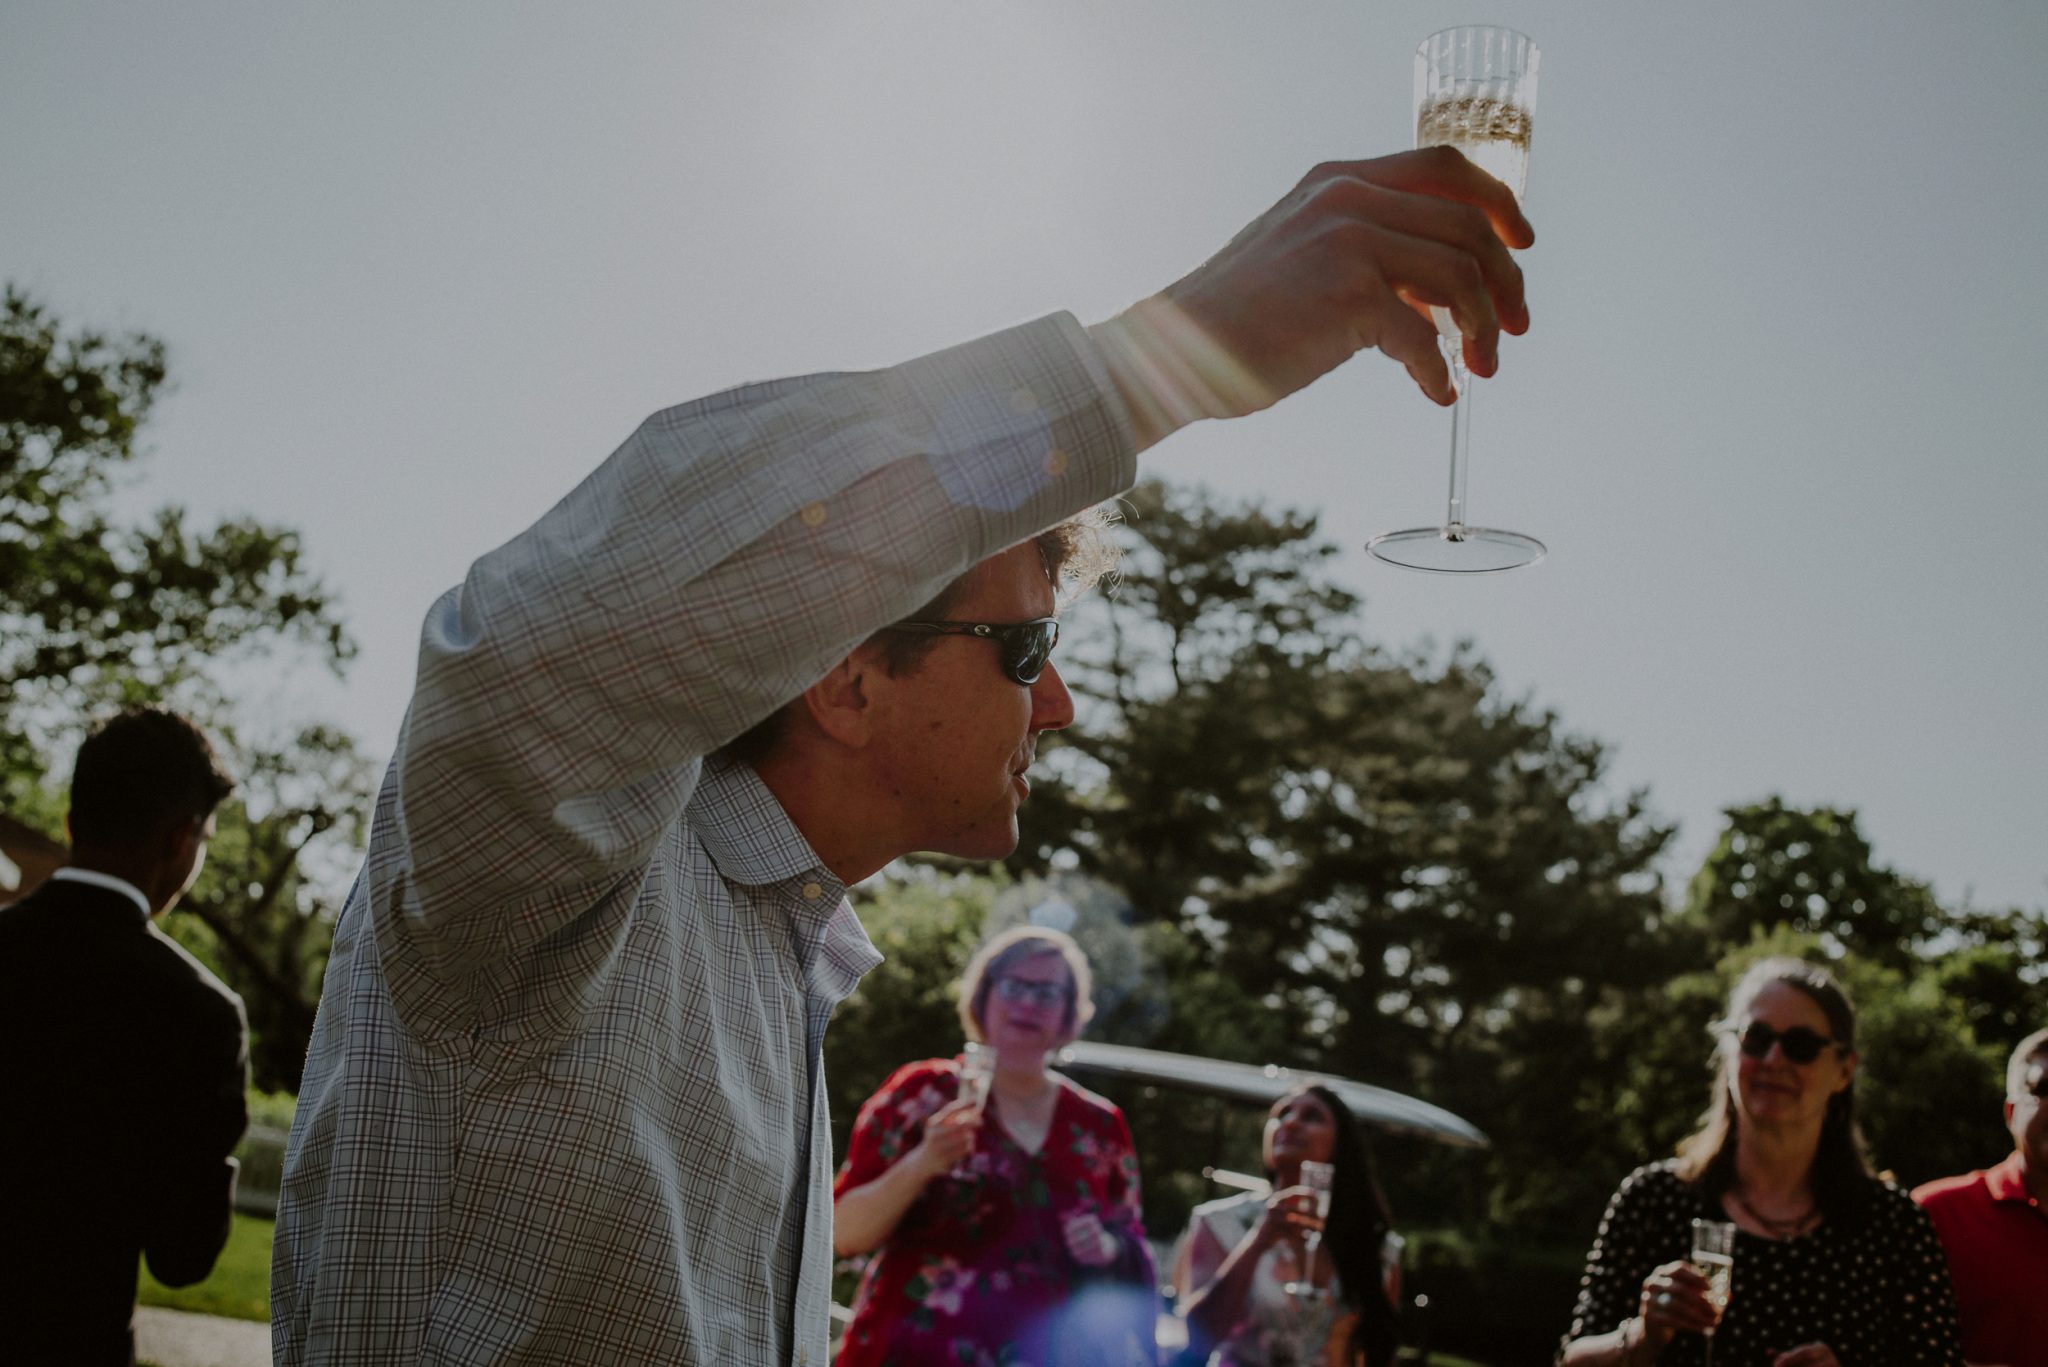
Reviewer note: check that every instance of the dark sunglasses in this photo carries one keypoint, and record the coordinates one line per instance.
(1800, 1044)
(1025, 645)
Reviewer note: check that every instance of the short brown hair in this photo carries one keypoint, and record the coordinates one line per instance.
(1077, 554)
(1015, 946)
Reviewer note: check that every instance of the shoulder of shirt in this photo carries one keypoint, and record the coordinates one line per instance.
(1658, 1177)
(206, 991)
(1086, 1097)
(1224, 1205)
(921, 1070)
(1943, 1190)
(1888, 1196)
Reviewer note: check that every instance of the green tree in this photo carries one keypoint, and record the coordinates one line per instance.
(95, 613)
(1413, 880)
(1809, 870)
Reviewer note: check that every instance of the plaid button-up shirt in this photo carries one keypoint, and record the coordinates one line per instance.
(564, 1101)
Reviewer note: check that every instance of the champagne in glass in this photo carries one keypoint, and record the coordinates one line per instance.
(1713, 1257)
(977, 1070)
(1475, 90)
(1319, 1178)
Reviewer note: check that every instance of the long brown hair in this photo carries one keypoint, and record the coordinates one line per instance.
(1841, 1175)
(1357, 1230)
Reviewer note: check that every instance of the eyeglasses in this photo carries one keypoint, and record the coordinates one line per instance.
(1801, 1044)
(1026, 645)
(1038, 994)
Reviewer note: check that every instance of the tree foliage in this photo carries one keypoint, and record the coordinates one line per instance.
(1808, 870)
(96, 613)
(1281, 843)
(1421, 883)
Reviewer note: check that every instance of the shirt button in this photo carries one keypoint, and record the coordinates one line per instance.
(813, 891)
(813, 514)
(1056, 462)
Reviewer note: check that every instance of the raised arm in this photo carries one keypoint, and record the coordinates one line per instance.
(735, 548)
(914, 1128)
(711, 569)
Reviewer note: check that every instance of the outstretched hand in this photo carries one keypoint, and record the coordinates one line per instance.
(1353, 257)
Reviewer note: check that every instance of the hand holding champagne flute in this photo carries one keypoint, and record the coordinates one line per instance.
(1475, 90)
(1317, 1179)
(1713, 1257)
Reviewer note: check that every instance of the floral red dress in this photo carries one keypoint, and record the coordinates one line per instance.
(976, 1273)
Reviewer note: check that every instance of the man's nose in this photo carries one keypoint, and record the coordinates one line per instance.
(1052, 707)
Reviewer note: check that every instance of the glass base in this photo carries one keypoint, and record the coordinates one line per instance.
(1457, 549)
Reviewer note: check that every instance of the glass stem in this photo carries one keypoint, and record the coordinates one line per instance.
(1461, 437)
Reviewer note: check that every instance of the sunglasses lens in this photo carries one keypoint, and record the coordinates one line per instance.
(1801, 1044)
(1028, 647)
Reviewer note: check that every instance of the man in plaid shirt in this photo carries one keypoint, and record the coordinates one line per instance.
(564, 1101)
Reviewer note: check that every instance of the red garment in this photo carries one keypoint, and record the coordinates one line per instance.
(1996, 1237)
(977, 1273)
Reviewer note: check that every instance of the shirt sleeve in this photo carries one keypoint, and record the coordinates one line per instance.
(891, 1122)
(1125, 1214)
(1927, 1333)
(1623, 1253)
(191, 1198)
(706, 573)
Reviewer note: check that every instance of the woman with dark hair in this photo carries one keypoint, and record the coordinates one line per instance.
(1832, 1265)
(1002, 1209)
(1243, 1277)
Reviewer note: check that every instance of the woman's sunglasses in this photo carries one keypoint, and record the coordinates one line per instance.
(1801, 1045)
(1025, 645)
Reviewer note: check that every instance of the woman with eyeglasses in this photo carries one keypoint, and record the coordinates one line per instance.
(1832, 1265)
(1003, 1229)
(1243, 1274)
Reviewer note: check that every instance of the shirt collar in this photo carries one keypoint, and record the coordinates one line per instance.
(67, 874)
(752, 841)
(2006, 1182)
(746, 832)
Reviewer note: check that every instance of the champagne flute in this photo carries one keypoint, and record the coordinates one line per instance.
(1475, 90)
(1319, 1178)
(977, 1071)
(1713, 1257)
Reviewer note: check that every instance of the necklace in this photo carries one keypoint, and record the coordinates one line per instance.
(1777, 1229)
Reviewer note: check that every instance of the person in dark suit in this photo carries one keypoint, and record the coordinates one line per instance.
(123, 1062)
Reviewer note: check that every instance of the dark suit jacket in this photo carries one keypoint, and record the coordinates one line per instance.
(123, 1065)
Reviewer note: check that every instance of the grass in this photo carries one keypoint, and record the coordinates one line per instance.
(238, 1286)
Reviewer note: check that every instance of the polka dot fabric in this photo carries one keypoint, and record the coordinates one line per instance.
(1874, 1287)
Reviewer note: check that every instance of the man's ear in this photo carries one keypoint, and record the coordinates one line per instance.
(842, 704)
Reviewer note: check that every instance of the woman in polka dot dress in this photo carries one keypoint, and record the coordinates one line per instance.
(1832, 1265)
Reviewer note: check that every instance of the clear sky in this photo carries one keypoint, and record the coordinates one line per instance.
(421, 266)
